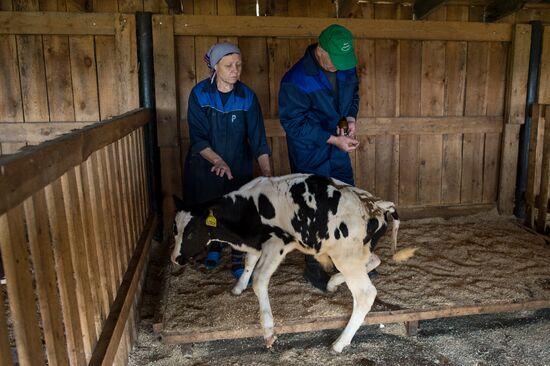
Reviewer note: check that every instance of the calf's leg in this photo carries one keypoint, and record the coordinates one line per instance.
(356, 276)
(249, 264)
(270, 258)
(338, 278)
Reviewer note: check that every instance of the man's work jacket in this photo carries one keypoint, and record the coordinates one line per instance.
(310, 109)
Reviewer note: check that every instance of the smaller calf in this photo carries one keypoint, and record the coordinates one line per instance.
(269, 217)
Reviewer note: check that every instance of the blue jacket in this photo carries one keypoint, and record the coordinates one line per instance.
(235, 131)
(310, 110)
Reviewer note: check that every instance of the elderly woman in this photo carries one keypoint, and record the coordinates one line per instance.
(227, 132)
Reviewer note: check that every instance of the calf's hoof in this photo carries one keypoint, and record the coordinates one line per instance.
(237, 291)
(270, 340)
(337, 347)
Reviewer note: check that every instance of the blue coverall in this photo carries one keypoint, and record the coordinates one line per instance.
(309, 110)
(235, 131)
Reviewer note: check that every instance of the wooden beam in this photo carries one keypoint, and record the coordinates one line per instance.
(544, 75)
(383, 317)
(371, 126)
(500, 8)
(66, 23)
(37, 132)
(109, 340)
(421, 8)
(251, 26)
(26, 172)
(446, 212)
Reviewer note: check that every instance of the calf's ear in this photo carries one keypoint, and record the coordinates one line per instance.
(178, 202)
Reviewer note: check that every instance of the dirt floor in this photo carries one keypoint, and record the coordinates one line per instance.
(467, 261)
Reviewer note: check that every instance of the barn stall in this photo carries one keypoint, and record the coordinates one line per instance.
(440, 117)
(442, 104)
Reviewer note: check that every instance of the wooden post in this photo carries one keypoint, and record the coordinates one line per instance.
(535, 163)
(544, 74)
(514, 115)
(544, 181)
(412, 328)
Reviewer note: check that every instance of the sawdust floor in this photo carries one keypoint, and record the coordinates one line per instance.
(483, 259)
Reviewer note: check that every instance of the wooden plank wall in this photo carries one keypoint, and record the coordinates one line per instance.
(400, 80)
(50, 79)
(75, 228)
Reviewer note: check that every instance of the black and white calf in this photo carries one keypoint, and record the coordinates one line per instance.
(270, 217)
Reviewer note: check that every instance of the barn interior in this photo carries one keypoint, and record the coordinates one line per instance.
(93, 139)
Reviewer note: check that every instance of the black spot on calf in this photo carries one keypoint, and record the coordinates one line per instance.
(265, 207)
(344, 229)
(337, 233)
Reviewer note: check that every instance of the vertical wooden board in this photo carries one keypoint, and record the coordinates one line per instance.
(321, 9)
(185, 67)
(227, 7)
(432, 104)
(205, 7)
(96, 231)
(455, 86)
(105, 6)
(457, 13)
(410, 76)
(298, 9)
(109, 244)
(544, 74)
(121, 218)
(437, 14)
(11, 108)
(65, 273)
(202, 45)
(106, 76)
(365, 167)
(496, 83)
(475, 105)
(115, 213)
(508, 165)
(131, 190)
(5, 348)
(33, 78)
(58, 78)
(172, 184)
(13, 246)
(142, 173)
(517, 74)
(281, 164)
(36, 215)
(126, 62)
(130, 6)
(255, 72)
(366, 72)
(89, 243)
(84, 78)
(6, 5)
(405, 11)
(490, 167)
(476, 13)
(165, 88)
(155, 6)
(297, 49)
(544, 194)
(79, 255)
(26, 5)
(385, 106)
(385, 11)
(534, 163)
(137, 158)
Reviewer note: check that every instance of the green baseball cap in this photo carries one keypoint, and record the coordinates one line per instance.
(337, 41)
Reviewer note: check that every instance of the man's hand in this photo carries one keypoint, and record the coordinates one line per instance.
(220, 168)
(344, 143)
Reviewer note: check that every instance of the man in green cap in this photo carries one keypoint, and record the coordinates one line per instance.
(318, 92)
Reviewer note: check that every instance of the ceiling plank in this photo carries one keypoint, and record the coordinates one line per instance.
(500, 8)
(422, 8)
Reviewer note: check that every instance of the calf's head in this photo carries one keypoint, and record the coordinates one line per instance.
(191, 235)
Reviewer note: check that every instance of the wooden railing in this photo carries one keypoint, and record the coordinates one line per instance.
(75, 231)
(538, 180)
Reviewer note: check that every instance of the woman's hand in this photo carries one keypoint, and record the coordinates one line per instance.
(220, 168)
(344, 143)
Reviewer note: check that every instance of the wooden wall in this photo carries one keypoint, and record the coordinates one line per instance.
(63, 73)
(432, 112)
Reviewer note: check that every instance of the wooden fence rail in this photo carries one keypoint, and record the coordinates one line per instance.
(75, 229)
(538, 180)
